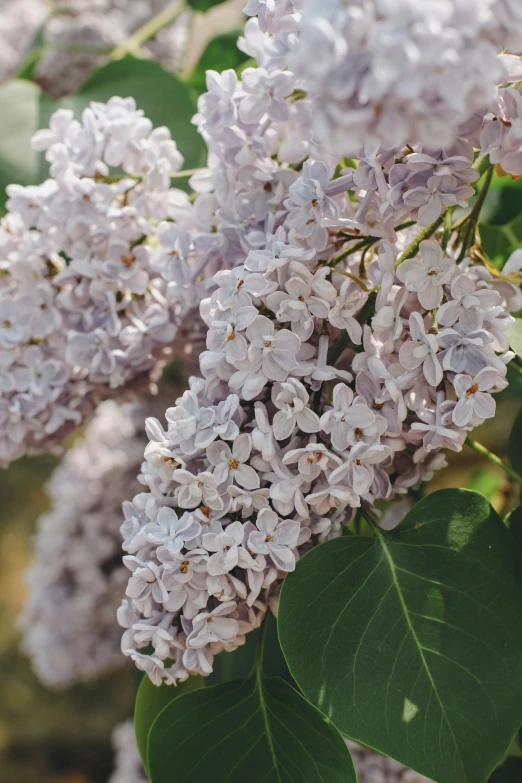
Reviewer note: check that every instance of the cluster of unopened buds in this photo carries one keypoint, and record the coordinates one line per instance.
(347, 348)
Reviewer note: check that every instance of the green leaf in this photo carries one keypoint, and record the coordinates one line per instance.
(220, 53)
(486, 481)
(514, 333)
(203, 5)
(163, 97)
(503, 202)
(514, 524)
(150, 701)
(515, 444)
(508, 772)
(238, 664)
(411, 642)
(500, 241)
(259, 730)
(21, 105)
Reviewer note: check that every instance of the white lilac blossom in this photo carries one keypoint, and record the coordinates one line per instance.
(128, 767)
(76, 577)
(328, 382)
(389, 73)
(501, 136)
(95, 284)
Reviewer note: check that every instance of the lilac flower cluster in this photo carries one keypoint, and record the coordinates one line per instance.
(333, 376)
(76, 578)
(381, 72)
(501, 136)
(95, 278)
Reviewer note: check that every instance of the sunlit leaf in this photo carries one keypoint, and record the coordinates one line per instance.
(411, 642)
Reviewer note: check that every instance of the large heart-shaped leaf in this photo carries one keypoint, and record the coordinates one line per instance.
(411, 642)
(150, 701)
(259, 730)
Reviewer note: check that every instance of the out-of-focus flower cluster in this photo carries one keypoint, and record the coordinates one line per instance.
(374, 768)
(95, 278)
(390, 72)
(127, 763)
(76, 578)
(78, 36)
(342, 357)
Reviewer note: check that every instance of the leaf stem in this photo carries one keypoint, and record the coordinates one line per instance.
(474, 215)
(184, 173)
(356, 279)
(260, 650)
(413, 248)
(148, 30)
(365, 244)
(111, 178)
(480, 449)
(482, 164)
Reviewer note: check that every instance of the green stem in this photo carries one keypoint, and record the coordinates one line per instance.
(413, 248)
(184, 173)
(482, 164)
(149, 30)
(260, 650)
(474, 215)
(111, 178)
(480, 449)
(363, 244)
(447, 230)
(355, 279)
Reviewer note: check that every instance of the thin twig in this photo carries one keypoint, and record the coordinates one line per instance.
(480, 449)
(149, 30)
(413, 248)
(474, 215)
